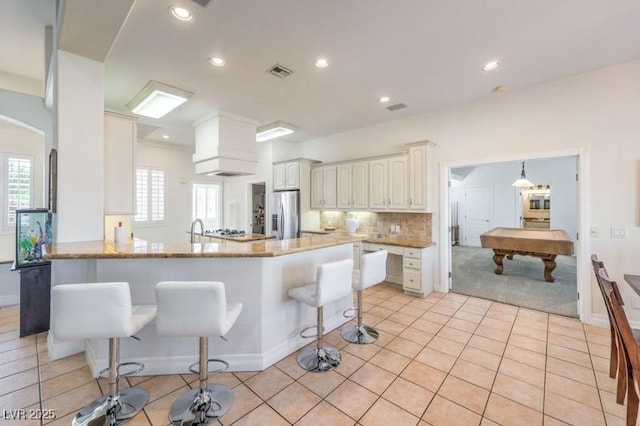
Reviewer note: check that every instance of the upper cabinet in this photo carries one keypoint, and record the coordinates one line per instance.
(286, 175)
(418, 195)
(119, 163)
(323, 187)
(388, 183)
(352, 180)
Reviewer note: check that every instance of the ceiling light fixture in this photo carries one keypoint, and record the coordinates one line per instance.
(491, 66)
(522, 182)
(384, 99)
(181, 14)
(156, 99)
(217, 61)
(274, 130)
(165, 136)
(321, 63)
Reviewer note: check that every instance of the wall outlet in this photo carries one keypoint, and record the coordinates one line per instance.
(595, 233)
(618, 232)
(398, 228)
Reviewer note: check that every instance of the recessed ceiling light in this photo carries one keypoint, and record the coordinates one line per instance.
(181, 14)
(157, 99)
(321, 63)
(498, 89)
(384, 99)
(165, 136)
(274, 130)
(217, 61)
(490, 66)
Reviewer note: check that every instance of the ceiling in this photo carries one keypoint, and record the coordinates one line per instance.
(424, 53)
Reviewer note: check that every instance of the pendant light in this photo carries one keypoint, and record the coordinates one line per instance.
(522, 182)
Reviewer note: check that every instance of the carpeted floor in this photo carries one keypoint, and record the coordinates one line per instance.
(522, 282)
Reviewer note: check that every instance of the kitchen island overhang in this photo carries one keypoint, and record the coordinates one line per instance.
(259, 277)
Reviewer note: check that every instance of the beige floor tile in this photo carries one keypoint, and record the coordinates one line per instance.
(17, 343)
(447, 346)
(263, 415)
(599, 364)
(268, 382)
(405, 347)
(436, 317)
(424, 376)
(550, 421)
(246, 375)
(402, 318)
(486, 422)
(72, 401)
(541, 325)
(532, 315)
(324, 414)
(604, 382)
(289, 365)
(390, 326)
(379, 311)
(486, 344)
(496, 323)
(599, 350)
(480, 357)
(599, 339)
(424, 304)
(426, 325)
(373, 378)
(373, 299)
(473, 373)
(565, 322)
(334, 339)
(610, 405)
(523, 372)
(18, 381)
(21, 398)
(566, 354)
(446, 413)
(294, 401)
(528, 343)
(349, 364)
(159, 386)
(227, 379)
(530, 332)
(66, 382)
(17, 354)
(61, 366)
(322, 383)
(352, 399)
(436, 359)
(417, 336)
(472, 309)
(571, 412)
(383, 413)
(519, 391)
(507, 412)
(9, 335)
(464, 393)
(390, 361)
(525, 356)
(365, 352)
(501, 316)
(501, 335)
(568, 342)
(244, 401)
(371, 320)
(413, 311)
(443, 309)
(503, 307)
(574, 333)
(391, 305)
(408, 396)
(462, 325)
(467, 316)
(158, 410)
(571, 371)
(454, 334)
(18, 365)
(476, 301)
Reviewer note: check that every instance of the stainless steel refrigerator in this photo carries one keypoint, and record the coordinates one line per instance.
(285, 217)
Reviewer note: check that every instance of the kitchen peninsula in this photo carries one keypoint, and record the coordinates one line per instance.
(257, 274)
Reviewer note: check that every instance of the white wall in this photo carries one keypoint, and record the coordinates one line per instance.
(175, 160)
(559, 173)
(596, 110)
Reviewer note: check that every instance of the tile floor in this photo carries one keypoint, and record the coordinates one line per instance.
(443, 360)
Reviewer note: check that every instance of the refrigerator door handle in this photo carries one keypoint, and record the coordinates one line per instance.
(281, 231)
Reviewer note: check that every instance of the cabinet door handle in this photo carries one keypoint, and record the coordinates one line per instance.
(410, 201)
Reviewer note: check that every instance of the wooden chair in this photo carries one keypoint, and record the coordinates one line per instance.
(629, 345)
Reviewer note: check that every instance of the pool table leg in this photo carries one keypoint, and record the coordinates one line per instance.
(497, 258)
(549, 266)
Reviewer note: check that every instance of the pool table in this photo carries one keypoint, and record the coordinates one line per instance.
(543, 243)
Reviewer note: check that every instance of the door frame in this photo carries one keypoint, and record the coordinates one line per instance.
(583, 219)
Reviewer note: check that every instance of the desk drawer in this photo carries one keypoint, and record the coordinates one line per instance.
(412, 252)
(375, 247)
(411, 279)
(408, 262)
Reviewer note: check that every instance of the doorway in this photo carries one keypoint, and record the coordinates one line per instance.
(257, 207)
(523, 284)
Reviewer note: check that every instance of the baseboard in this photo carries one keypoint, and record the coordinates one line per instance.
(10, 299)
(601, 320)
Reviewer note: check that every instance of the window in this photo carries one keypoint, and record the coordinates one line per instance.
(149, 195)
(207, 203)
(17, 187)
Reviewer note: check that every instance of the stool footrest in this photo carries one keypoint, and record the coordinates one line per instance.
(309, 336)
(104, 373)
(194, 367)
(350, 313)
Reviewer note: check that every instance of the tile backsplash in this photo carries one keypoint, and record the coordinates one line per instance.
(414, 226)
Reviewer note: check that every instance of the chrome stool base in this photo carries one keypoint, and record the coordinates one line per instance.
(198, 407)
(362, 335)
(318, 360)
(107, 410)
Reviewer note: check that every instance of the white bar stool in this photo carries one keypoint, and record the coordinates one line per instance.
(373, 270)
(197, 309)
(95, 311)
(333, 281)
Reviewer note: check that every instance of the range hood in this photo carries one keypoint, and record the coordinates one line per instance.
(225, 145)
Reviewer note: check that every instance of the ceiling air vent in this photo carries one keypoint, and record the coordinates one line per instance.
(280, 71)
(396, 107)
(202, 3)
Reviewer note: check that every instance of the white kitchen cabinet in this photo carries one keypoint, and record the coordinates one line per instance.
(119, 163)
(388, 183)
(418, 177)
(286, 175)
(344, 191)
(352, 185)
(323, 187)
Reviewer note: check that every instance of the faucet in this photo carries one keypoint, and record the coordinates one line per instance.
(193, 227)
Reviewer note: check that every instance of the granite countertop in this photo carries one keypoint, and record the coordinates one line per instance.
(392, 240)
(243, 238)
(140, 249)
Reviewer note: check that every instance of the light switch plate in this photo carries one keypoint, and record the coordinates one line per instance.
(617, 232)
